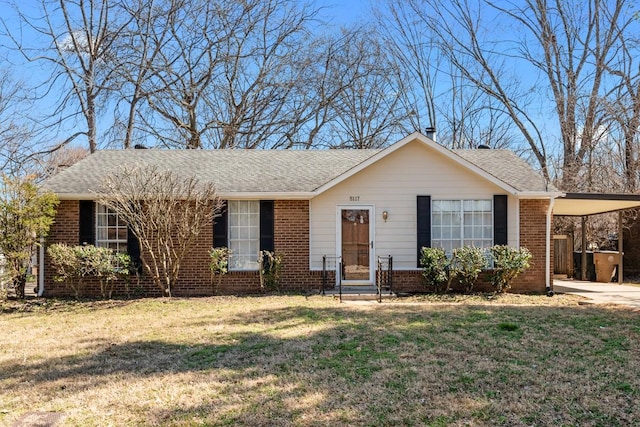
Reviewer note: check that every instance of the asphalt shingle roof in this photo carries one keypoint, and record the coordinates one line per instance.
(230, 170)
(508, 168)
(268, 171)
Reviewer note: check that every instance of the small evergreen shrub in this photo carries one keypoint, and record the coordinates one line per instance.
(508, 263)
(270, 270)
(466, 265)
(436, 269)
(219, 265)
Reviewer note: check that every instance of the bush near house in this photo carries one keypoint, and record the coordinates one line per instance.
(25, 216)
(74, 264)
(508, 263)
(219, 265)
(270, 270)
(436, 269)
(466, 264)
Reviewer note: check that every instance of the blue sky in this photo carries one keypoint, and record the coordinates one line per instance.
(345, 11)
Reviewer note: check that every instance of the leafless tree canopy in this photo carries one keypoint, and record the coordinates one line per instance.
(555, 80)
(557, 75)
(166, 212)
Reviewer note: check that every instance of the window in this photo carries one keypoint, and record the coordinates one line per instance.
(457, 223)
(244, 234)
(111, 231)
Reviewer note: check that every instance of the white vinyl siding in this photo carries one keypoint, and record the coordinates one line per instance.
(244, 234)
(392, 185)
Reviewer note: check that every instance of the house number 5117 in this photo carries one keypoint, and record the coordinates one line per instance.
(354, 198)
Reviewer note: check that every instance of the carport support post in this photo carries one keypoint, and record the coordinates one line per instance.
(583, 255)
(620, 236)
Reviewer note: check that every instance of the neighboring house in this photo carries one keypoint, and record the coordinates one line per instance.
(358, 204)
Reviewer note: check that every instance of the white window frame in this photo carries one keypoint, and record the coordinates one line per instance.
(110, 235)
(464, 217)
(243, 228)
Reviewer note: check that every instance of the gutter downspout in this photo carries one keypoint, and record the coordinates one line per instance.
(548, 249)
(41, 268)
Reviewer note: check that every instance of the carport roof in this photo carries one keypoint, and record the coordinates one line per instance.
(584, 204)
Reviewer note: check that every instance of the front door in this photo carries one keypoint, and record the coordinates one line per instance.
(356, 239)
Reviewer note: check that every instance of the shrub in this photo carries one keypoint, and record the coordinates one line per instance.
(436, 269)
(508, 263)
(25, 216)
(219, 265)
(466, 265)
(270, 269)
(73, 264)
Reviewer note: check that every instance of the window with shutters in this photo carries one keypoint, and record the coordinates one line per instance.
(111, 230)
(244, 234)
(458, 223)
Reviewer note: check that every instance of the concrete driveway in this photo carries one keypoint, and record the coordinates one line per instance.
(600, 293)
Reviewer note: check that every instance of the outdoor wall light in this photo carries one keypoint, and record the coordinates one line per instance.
(385, 215)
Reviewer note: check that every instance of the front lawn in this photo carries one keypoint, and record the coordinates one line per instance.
(279, 361)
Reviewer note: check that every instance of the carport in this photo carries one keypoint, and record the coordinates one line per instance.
(584, 205)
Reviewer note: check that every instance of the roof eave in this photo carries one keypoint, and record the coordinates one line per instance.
(539, 194)
(279, 195)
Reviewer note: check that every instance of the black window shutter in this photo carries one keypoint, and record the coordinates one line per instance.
(424, 223)
(499, 219)
(87, 222)
(133, 249)
(266, 225)
(220, 228)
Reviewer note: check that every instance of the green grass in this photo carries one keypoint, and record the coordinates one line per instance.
(295, 361)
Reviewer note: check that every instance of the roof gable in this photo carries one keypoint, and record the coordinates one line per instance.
(500, 167)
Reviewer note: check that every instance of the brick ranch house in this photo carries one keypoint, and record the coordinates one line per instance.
(358, 204)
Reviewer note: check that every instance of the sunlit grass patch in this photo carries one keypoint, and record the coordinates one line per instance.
(296, 361)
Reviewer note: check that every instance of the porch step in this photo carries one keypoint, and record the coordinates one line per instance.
(358, 293)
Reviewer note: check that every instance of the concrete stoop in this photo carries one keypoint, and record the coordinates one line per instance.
(359, 293)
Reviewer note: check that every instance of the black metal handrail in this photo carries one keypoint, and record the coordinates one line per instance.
(331, 263)
(384, 276)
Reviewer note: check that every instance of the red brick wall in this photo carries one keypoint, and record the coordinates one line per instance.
(65, 229)
(291, 240)
(533, 226)
(291, 230)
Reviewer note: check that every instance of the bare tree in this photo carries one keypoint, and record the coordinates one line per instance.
(259, 79)
(416, 57)
(166, 212)
(623, 110)
(435, 93)
(321, 81)
(469, 118)
(80, 35)
(571, 44)
(567, 44)
(225, 74)
(184, 68)
(46, 165)
(15, 129)
(458, 28)
(139, 47)
(369, 111)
